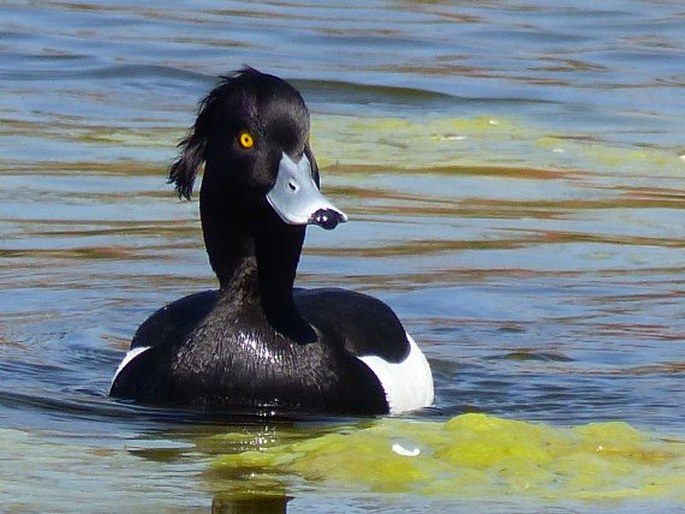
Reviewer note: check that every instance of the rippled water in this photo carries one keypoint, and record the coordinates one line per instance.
(514, 172)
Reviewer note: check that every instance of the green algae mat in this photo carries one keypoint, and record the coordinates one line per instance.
(471, 455)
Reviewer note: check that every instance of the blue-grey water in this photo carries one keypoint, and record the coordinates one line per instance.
(514, 172)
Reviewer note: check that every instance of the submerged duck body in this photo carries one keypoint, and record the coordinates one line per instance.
(258, 342)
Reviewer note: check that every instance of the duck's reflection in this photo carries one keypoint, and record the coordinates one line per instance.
(227, 503)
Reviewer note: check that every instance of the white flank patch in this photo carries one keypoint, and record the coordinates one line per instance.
(130, 355)
(408, 384)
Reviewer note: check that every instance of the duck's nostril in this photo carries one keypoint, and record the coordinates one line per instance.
(292, 186)
(327, 218)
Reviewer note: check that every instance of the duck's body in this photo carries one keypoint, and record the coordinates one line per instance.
(258, 342)
(267, 369)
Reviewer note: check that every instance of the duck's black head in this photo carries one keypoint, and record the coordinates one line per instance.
(261, 183)
(252, 134)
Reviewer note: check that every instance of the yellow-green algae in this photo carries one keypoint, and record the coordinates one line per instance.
(430, 142)
(472, 455)
(422, 142)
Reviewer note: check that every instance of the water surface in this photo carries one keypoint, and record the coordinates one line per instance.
(514, 175)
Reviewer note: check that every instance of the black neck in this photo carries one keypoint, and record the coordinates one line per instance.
(256, 257)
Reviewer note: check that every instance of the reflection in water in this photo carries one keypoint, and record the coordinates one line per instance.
(270, 504)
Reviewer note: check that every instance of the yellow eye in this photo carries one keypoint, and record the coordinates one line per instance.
(246, 140)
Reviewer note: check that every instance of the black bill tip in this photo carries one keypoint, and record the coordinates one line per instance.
(327, 218)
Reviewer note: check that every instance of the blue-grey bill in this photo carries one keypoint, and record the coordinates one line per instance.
(296, 198)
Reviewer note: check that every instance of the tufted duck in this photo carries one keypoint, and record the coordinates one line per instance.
(258, 342)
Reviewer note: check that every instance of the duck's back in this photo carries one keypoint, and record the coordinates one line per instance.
(172, 324)
(364, 325)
